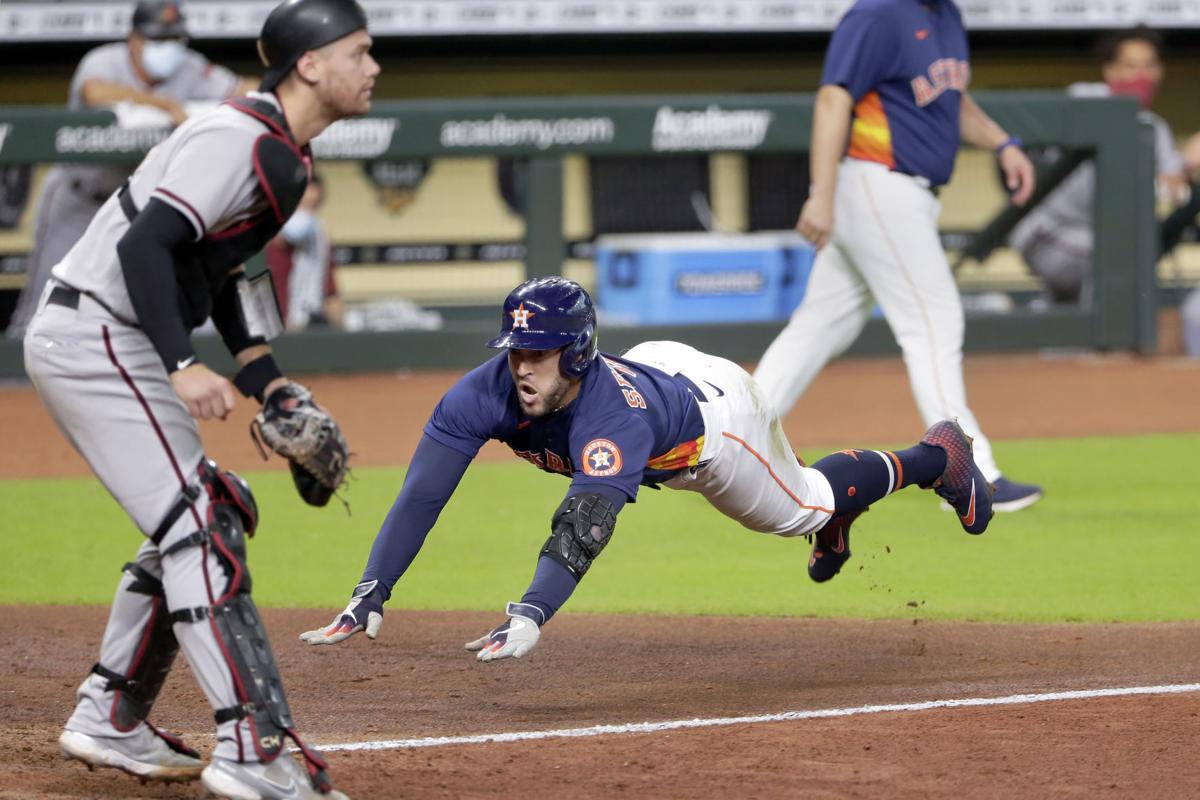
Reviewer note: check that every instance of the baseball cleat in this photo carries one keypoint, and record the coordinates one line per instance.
(282, 778)
(1013, 496)
(962, 484)
(146, 754)
(831, 546)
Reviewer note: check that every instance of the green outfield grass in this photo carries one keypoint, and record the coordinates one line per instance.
(1115, 540)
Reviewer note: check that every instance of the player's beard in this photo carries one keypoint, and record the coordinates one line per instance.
(548, 401)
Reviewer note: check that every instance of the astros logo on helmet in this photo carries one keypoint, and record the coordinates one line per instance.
(521, 316)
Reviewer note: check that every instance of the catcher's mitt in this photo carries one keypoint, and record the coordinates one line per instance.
(298, 429)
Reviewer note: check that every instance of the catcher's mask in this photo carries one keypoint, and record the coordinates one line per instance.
(549, 313)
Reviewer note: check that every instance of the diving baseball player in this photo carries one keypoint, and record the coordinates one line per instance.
(110, 354)
(661, 414)
(890, 112)
(153, 67)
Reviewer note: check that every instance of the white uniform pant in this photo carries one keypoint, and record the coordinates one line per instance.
(105, 387)
(884, 248)
(747, 469)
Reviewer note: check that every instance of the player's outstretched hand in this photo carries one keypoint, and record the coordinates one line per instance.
(364, 613)
(517, 636)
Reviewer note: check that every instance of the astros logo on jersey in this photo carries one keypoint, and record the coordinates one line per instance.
(521, 316)
(601, 458)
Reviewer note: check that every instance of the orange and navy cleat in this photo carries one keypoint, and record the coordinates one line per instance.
(962, 484)
(831, 546)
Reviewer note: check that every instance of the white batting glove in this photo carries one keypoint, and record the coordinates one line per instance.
(363, 613)
(516, 637)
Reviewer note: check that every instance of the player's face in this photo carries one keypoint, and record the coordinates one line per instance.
(1135, 59)
(541, 388)
(348, 74)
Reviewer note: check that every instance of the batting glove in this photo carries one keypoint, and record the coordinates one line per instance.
(364, 612)
(516, 637)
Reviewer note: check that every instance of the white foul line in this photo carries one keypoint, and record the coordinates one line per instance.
(654, 727)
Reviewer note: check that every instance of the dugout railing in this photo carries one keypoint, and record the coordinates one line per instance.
(542, 131)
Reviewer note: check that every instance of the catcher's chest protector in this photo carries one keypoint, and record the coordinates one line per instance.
(282, 168)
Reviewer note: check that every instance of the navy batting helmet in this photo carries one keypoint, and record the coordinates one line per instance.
(549, 313)
(297, 26)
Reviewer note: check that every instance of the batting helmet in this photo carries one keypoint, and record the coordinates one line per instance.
(296, 26)
(548, 313)
(159, 19)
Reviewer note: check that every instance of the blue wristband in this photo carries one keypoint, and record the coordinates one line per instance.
(1012, 141)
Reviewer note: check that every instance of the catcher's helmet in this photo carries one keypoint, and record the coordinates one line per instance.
(159, 19)
(296, 26)
(548, 313)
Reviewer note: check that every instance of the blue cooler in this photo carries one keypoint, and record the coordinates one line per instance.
(663, 279)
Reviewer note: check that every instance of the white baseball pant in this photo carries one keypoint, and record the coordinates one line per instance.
(884, 249)
(747, 469)
(106, 388)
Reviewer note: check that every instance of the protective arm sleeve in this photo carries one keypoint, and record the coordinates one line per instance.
(552, 582)
(149, 271)
(432, 478)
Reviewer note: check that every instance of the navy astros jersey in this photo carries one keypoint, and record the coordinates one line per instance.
(905, 63)
(630, 425)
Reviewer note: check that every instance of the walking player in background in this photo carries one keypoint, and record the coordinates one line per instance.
(888, 118)
(153, 67)
(661, 414)
(109, 353)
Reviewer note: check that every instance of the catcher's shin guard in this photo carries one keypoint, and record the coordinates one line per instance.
(239, 629)
(135, 692)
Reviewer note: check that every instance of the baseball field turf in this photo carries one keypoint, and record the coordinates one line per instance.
(1113, 541)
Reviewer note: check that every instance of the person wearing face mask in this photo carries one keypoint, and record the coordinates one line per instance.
(152, 67)
(300, 260)
(1056, 239)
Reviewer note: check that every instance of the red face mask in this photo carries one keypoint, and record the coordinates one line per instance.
(1143, 89)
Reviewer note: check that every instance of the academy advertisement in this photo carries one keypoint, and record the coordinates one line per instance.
(542, 134)
(712, 128)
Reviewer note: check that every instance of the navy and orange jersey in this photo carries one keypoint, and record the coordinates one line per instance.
(630, 424)
(906, 64)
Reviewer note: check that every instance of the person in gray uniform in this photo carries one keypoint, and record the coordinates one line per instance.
(1057, 238)
(153, 67)
(109, 352)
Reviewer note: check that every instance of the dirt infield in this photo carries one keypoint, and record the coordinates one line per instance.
(416, 681)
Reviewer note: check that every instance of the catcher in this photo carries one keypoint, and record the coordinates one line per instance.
(662, 414)
(110, 353)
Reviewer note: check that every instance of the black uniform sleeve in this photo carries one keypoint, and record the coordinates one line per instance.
(149, 270)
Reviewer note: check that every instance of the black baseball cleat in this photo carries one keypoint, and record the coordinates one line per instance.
(831, 546)
(961, 484)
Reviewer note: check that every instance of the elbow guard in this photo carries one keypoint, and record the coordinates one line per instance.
(581, 528)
